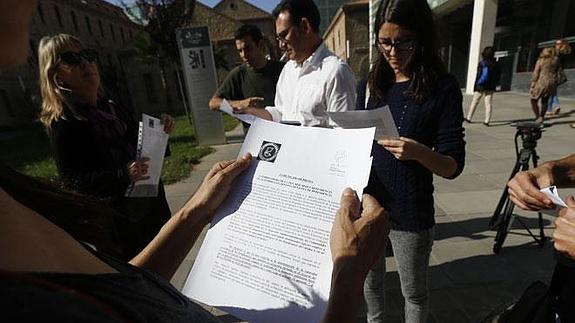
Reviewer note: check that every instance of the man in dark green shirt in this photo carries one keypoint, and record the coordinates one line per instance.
(252, 84)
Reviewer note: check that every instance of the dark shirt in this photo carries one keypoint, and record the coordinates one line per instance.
(92, 156)
(89, 160)
(132, 295)
(245, 82)
(493, 76)
(405, 188)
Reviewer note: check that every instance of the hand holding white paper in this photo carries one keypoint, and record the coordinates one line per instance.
(553, 194)
(379, 118)
(227, 108)
(266, 256)
(152, 143)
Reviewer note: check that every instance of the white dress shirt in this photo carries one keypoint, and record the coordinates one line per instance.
(304, 93)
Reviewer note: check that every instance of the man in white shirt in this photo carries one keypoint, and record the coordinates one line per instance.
(314, 81)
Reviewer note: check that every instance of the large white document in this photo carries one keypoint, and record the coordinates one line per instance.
(266, 256)
(227, 108)
(379, 118)
(152, 143)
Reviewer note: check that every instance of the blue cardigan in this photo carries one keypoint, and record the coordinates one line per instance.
(405, 188)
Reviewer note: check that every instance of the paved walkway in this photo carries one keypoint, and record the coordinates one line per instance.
(467, 280)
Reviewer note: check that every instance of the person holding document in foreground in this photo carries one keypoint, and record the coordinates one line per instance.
(94, 139)
(48, 275)
(314, 80)
(426, 104)
(525, 191)
(266, 255)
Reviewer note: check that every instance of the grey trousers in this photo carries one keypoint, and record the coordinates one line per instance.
(411, 250)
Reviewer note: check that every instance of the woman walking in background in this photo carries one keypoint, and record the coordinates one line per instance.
(488, 76)
(426, 105)
(543, 82)
(94, 140)
(562, 49)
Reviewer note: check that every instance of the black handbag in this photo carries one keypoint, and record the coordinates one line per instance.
(540, 303)
(536, 305)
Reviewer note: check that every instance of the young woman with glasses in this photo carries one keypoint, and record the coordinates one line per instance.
(426, 104)
(94, 139)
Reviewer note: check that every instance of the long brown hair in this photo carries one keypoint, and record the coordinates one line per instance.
(425, 67)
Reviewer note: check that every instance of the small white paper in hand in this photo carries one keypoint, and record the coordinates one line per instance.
(227, 108)
(152, 143)
(553, 194)
(379, 118)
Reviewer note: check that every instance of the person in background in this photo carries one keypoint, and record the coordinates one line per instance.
(562, 49)
(426, 105)
(314, 80)
(94, 139)
(48, 275)
(524, 191)
(543, 82)
(252, 84)
(488, 76)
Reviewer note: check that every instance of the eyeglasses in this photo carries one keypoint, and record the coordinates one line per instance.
(385, 45)
(281, 37)
(75, 58)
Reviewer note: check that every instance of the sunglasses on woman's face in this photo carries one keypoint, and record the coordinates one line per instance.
(75, 58)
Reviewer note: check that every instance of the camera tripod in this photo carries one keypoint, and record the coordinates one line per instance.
(503, 216)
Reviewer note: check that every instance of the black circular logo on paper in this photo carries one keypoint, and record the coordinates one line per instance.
(269, 151)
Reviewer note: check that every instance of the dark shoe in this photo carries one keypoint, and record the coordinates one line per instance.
(466, 120)
(486, 124)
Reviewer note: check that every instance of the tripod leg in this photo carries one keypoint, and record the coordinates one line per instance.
(506, 219)
(496, 218)
(504, 227)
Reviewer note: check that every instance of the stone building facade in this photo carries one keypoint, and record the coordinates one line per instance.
(327, 11)
(106, 29)
(225, 18)
(348, 36)
(246, 13)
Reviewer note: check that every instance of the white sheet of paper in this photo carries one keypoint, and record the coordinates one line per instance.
(553, 194)
(379, 118)
(152, 143)
(227, 108)
(266, 256)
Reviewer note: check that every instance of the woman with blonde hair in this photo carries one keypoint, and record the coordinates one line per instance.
(94, 139)
(543, 82)
(562, 49)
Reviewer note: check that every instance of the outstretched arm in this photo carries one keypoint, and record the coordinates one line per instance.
(357, 241)
(524, 187)
(169, 248)
(253, 102)
(409, 149)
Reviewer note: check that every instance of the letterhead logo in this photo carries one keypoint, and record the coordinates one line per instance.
(269, 151)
